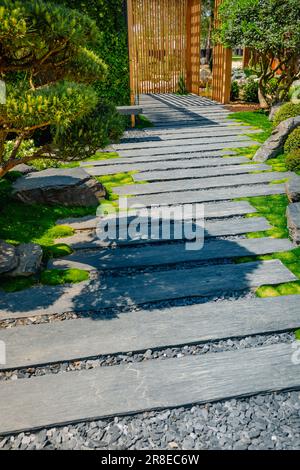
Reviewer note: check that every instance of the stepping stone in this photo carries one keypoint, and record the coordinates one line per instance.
(220, 209)
(194, 132)
(184, 157)
(101, 170)
(201, 131)
(198, 172)
(181, 142)
(85, 241)
(142, 288)
(209, 195)
(200, 183)
(68, 397)
(190, 148)
(141, 330)
(169, 254)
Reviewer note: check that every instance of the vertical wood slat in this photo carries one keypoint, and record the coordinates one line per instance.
(222, 66)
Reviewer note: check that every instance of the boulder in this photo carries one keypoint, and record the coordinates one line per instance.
(66, 187)
(293, 219)
(29, 256)
(24, 169)
(8, 257)
(274, 145)
(274, 110)
(293, 189)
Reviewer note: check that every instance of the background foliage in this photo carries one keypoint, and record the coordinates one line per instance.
(110, 17)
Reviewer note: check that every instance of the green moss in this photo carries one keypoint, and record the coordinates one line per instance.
(284, 180)
(278, 163)
(119, 179)
(142, 122)
(256, 119)
(16, 284)
(58, 250)
(54, 277)
(289, 288)
(247, 152)
(297, 334)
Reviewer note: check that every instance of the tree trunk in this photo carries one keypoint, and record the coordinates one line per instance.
(261, 96)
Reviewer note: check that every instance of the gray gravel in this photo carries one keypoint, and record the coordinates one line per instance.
(269, 421)
(162, 354)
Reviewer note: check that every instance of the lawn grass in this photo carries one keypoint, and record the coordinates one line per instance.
(142, 122)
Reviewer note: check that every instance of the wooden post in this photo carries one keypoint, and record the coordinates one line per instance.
(193, 21)
(222, 67)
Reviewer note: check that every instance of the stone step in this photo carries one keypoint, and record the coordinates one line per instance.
(136, 257)
(182, 142)
(85, 241)
(217, 210)
(209, 195)
(69, 397)
(198, 172)
(193, 133)
(113, 168)
(200, 122)
(201, 131)
(143, 288)
(201, 183)
(190, 148)
(142, 330)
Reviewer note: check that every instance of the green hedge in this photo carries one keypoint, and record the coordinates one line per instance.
(110, 16)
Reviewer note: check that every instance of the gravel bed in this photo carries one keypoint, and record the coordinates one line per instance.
(270, 421)
(162, 354)
(108, 313)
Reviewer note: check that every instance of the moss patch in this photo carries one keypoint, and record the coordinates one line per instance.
(142, 122)
(54, 277)
(257, 120)
(16, 284)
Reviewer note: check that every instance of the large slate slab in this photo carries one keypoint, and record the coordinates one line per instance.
(170, 163)
(8, 257)
(216, 210)
(293, 220)
(142, 330)
(200, 183)
(106, 292)
(108, 391)
(209, 195)
(198, 172)
(191, 148)
(180, 142)
(169, 254)
(198, 133)
(68, 187)
(219, 228)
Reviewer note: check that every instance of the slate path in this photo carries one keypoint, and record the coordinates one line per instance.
(187, 158)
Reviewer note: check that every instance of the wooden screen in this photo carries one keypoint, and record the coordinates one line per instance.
(222, 66)
(164, 45)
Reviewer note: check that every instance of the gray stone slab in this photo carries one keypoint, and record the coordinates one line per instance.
(108, 391)
(142, 288)
(169, 254)
(85, 241)
(183, 142)
(128, 110)
(200, 130)
(190, 148)
(200, 183)
(209, 195)
(198, 172)
(199, 133)
(142, 330)
(100, 170)
(220, 209)
(163, 158)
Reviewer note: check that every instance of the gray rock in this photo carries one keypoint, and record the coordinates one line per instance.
(24, 169)
(293, 219)
(274, 110)
(29, 260)
(8, 257)
(68, 187)
(293, 189)
(274, 145)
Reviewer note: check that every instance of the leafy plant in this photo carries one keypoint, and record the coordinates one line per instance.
(293, 141)
(48, 69)
(235, 91)
(182, 90)
(286, 111)
(293, 160)
(250, 91)
(294, 94)
(271, 28)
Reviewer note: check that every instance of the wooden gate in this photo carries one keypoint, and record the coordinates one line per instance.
(164, 44)
(164, 39)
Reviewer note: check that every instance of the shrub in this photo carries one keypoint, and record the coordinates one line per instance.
(293, 141)
(286, 111)
(235, 91)
(49, 72)
(293, 160)
(250, 91)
